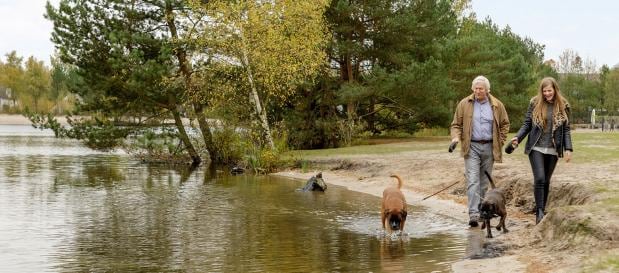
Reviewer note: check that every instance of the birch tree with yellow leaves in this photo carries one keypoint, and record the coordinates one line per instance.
(278, 44)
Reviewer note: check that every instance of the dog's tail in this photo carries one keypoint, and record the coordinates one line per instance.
(490, 179)
(399, 180)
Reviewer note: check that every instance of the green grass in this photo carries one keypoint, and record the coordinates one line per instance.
(589, 147)
(596, 147)
(383, 146)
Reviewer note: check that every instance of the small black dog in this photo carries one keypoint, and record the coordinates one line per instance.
(492, 206)
(315, 183)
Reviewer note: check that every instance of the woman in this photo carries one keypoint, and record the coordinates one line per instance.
(548, 128)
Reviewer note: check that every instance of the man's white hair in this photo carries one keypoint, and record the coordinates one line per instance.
(483, 80)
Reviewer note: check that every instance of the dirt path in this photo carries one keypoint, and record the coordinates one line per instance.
(555, 245)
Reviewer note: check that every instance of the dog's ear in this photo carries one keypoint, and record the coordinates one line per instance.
(404, 213)
(386, 212)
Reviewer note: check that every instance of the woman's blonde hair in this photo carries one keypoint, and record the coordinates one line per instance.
(541, 107)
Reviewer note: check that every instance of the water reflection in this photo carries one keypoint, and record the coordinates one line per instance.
(64, 208)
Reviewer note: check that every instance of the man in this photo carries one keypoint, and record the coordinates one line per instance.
(481, 124)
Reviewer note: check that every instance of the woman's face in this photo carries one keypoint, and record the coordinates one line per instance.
(548, 92)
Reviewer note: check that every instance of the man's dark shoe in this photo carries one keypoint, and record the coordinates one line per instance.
(473, 221)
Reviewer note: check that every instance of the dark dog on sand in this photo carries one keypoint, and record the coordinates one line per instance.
(315, 183)
(393, 207)
(492, 206)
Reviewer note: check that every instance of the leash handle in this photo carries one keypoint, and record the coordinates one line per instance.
(452, 146)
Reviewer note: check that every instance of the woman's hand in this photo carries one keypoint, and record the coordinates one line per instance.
(568, 156)
(515, 141)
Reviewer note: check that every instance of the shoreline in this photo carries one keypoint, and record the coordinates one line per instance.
(444, 207)
(17, 119)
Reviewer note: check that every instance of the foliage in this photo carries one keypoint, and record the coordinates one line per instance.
(379, 48)
(611, 92)
(312, 120)
(31, 84)
(507, 60)
(98, 134)
(126, 63)
(230, 144)
(582, 95)
(277, 44)
(157, 146)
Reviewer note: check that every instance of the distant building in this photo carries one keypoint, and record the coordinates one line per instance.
(7, 100)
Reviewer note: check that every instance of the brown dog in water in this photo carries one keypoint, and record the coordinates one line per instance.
(492, 206)
(393, 208)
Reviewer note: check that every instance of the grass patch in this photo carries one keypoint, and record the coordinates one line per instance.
(426, 132)
(589, 147)
(404, 145)
(598, 147)
(606, 263)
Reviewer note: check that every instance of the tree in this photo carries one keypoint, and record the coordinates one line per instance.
(12, 74)
(131, 64)
(37, 80)
(61, 78)
(611, 90)
(372, 40)
(507, 60)
(581, 83)
(277, 44)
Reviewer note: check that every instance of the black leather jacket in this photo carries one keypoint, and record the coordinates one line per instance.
(562, 139)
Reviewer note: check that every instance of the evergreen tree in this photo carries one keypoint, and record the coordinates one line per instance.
(509, 61)
(131, 64)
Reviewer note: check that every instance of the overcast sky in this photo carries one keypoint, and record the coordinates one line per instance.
(587, 27)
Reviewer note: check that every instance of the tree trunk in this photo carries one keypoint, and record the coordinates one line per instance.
(260, 112)
(195, 158)
(350, 77)
(205, 129)
(185, 68)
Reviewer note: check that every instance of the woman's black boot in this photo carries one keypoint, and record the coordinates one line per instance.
(539, 215)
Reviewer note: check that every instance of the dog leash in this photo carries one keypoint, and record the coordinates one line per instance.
(440, 191)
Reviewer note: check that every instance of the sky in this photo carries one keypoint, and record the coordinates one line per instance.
(587, 27)
(23, 29)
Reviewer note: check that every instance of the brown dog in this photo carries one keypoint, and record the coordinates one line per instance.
(393, 208)
(492, 206)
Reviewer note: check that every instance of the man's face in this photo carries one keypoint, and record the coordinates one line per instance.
(479, 89)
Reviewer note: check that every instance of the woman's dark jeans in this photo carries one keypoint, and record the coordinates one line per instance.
(542, 165)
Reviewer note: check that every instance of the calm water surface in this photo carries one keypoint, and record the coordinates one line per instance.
(65, 208)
